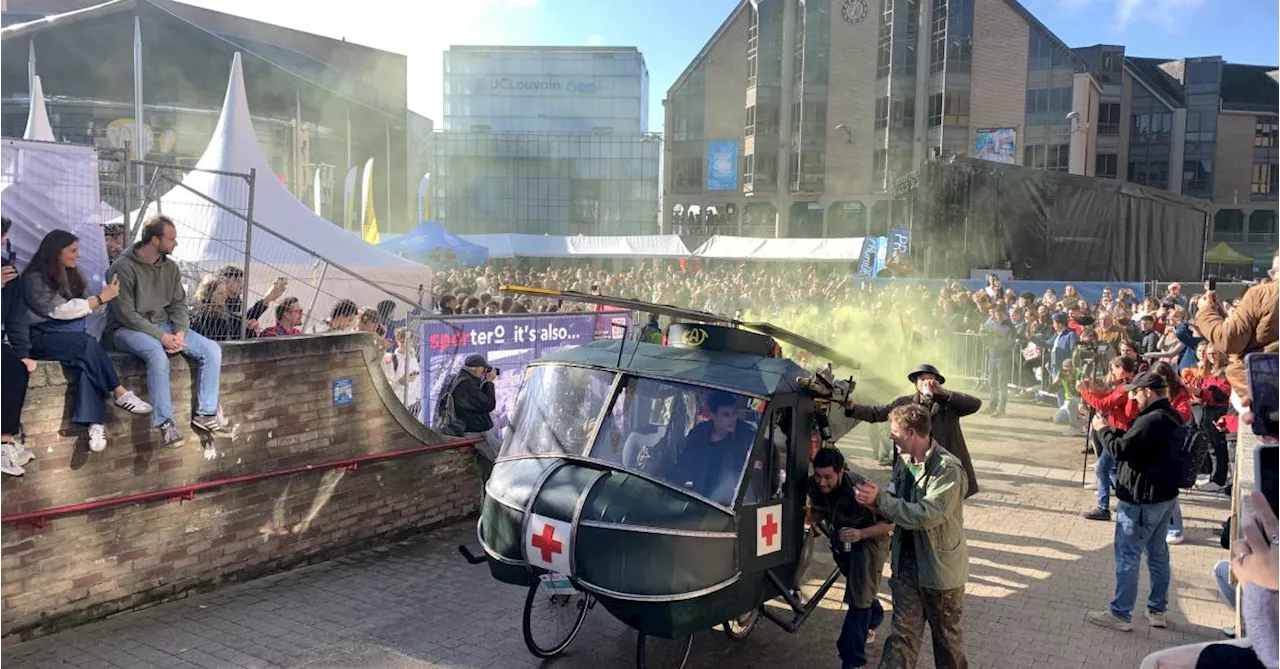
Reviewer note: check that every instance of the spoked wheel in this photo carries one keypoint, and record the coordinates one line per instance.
(738, 628)
(654, 652)
(552, 618)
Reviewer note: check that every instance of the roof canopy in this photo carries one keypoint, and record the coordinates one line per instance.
(839, 249)
(428, 243)
(1224, 254)
(550, 246)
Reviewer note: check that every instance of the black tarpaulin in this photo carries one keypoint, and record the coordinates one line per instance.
(976, 214)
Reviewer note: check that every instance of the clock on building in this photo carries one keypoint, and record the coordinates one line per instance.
(854, 11)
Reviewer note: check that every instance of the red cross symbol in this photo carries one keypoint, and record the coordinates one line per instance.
(547, 543)
(769, 529)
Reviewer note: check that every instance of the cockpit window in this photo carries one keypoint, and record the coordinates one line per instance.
(556, 410)
(691, 437)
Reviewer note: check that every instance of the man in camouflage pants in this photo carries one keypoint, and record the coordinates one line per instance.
(925, 501)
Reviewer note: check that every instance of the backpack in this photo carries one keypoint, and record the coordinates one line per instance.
(1192, 450)
(445, 419)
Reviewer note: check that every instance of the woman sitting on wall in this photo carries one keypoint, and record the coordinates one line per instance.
(55, 292)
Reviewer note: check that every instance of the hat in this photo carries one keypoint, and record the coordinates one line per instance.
(926, 368)
(475, 360)
(1147, 380)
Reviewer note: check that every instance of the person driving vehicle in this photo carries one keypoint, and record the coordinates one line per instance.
(714, 447)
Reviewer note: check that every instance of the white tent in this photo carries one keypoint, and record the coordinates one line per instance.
(38, 127)
(288, 238)
(841, 249)
(581, 246)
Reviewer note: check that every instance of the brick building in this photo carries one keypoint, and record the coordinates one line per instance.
(798, 116)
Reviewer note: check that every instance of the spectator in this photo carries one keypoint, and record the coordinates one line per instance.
(288, 319)
(113, 234)
(925, 502)
(1000, 338)
(1252, 326)
(210, 315)
(448, 305)
(149, 319)
(369, 321)
(404, 371)
(340, 317)
(1150, 464)
(1150, 342)
(55, 292)
(17, 360)
(1211, 393)
(1180, 400)
(1112, 401)
(233, 277)
(474, 400)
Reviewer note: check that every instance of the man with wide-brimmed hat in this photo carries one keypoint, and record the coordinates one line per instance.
(946, 408)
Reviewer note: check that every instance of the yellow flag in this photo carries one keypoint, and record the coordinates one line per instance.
(369, 229)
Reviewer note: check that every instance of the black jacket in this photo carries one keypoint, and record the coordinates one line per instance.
(17, 332)
(474, 401)
(1148, 455)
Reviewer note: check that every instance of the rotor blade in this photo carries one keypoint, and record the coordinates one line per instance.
(802, 342)
(620, 302)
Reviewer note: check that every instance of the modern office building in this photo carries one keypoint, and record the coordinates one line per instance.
(546, 140)
(798, 116)
(318, 103)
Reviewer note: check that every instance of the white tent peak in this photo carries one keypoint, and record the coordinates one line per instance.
(38, 128)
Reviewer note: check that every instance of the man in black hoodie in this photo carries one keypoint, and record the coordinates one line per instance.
(17, 362)
(1149, 459)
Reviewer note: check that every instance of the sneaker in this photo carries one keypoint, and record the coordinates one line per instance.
(210, 424)
(7, 464)
(1229, 631)
(1210, 486)
(97, 438)
(19, 452)
(133, 404)
(871, 637)
(1108, 620)
(1157, 619)
(1098, 514)
(1174, 538)
(172, 437)
(1091, 485)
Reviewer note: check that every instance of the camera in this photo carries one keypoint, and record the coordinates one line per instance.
(496, 372)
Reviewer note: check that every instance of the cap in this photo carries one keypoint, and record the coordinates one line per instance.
(475, 360)
(1147, 380)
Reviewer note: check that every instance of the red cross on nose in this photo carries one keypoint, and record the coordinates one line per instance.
(547, 543)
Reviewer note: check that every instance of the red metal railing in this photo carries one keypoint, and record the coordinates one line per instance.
(39, 518)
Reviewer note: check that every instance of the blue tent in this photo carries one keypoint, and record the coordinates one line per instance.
(430, 243)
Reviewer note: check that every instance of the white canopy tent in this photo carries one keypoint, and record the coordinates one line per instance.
(724, 247)
(38, 128)
(288, 238)
(553, 246)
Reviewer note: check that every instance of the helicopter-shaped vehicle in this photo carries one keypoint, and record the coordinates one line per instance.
(610, 489)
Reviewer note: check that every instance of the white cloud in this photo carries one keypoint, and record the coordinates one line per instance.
(1168, 15)
(595, 40)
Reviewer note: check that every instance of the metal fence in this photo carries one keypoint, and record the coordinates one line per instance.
(967, 358)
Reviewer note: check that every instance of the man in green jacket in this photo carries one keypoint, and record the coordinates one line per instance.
(925, 501)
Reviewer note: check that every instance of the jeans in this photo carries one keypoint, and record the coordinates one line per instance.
(1175, 521)
(998, 377)
(206, 354)
(80, 351)
(1222, 573)
(1105, 469)
(14, 376)
(852, 644)
(1140, 528)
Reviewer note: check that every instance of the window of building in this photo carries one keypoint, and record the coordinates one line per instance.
(766, 120)
(1112, 62)
(1264, 180)
(750, 128)
(1109, 118)
(811, 171)
(753, 44)
(1197, 177)
(1106, 166)
(879, 161)
(938, 38)
(1043, 53)
(1053, 157)
(960, 36)
(882, 113)
(902, 113)
(935, 109)
(748, 168)
(1154, 173)
(765, 170)
(884, 44)
(1033, 156)
(1264, 132)
(686, 173)
(1150, 127)
(956, 109)
(1037, 101)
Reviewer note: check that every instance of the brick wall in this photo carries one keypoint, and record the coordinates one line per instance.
(852, 102)
(1233, 159)
(998, 93)
(278, 396)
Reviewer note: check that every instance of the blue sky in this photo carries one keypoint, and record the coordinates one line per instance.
(670, 32)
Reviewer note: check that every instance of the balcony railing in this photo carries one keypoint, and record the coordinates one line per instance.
(1268, 238)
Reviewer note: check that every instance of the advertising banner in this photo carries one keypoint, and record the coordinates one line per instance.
(867, 260)
(899, 242)
(999, 145)
(882, 255)
(722, 164)
(508, 342)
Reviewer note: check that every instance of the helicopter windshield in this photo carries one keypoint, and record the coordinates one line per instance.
(690, 437)
(556, 410)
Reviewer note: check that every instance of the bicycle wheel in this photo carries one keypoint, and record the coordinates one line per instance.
(552, 619)
(738, 628)
(657, 653)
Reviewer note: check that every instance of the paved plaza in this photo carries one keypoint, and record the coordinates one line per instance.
(1036, 568)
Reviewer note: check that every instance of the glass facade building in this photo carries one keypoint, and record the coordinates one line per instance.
(546, 140)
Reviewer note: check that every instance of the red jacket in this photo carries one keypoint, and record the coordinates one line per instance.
(1182, 404)
(1114, 405)
(1215, 391)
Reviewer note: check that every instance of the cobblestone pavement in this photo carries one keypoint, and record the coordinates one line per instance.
(1036, 567)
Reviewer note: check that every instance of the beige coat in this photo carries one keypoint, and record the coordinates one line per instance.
(1251, 327)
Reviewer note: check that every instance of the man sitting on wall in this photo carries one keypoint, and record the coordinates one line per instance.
(149, 319)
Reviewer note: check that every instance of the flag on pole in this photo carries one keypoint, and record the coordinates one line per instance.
(349, 199)
(424, 198)
(316, 194)
(369, 220)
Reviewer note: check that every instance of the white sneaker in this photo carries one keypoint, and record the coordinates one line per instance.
(1210, 486)
(19, 453)
(133, 404)
(7, 464)
(1174, 538)
(97, 437)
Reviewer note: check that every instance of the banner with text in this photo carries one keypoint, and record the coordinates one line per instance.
(509, 343)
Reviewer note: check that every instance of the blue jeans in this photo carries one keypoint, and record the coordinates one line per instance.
(206, 354)
(1105, 469)
(1140, 528)
(1175, 522)
(852, 643)
(1222, 573)
(998, 377)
